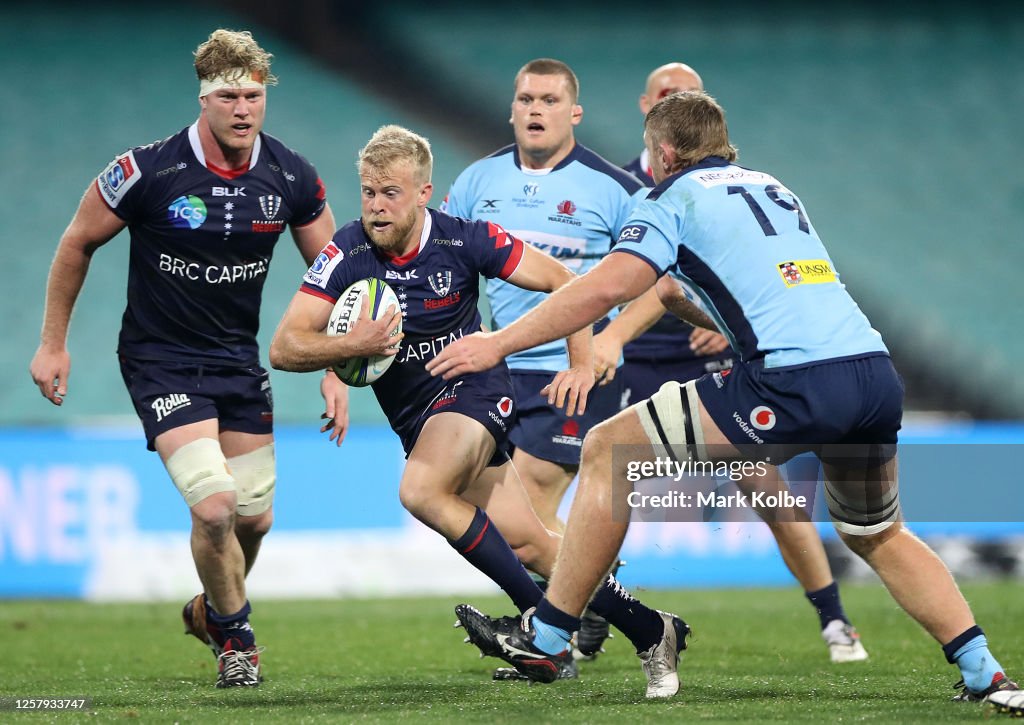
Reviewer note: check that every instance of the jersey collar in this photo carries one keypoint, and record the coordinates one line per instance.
(574, 154)
(197, 147)
(411, 255)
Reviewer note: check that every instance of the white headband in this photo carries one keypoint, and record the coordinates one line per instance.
(240, 80)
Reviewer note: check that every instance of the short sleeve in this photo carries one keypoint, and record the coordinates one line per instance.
(497, 252)
(328, 276)
(651, 233)
(311, 195)
(118, 185)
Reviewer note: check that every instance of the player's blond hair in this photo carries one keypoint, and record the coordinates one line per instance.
(551, 67)
(693, 124)
(393, 145)
(232, 54)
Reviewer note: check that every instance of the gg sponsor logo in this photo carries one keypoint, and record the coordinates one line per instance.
(187, 212)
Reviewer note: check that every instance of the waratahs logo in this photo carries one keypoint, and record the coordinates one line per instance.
(187, 212)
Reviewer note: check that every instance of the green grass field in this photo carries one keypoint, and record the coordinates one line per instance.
(756, 655)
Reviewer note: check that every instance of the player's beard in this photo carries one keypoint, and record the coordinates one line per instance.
(393, 238)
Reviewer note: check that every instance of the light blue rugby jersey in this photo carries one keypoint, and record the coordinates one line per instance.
(573, 212)
(743, 241)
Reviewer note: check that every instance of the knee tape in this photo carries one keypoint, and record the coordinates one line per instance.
(864, 512)
(671, 418)
(200, 470)
(255, 476)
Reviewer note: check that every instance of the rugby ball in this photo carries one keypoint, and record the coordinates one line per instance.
(361, 371)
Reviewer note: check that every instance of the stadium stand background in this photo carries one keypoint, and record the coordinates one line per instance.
(881, 119)
(894, 123)
(896, 127)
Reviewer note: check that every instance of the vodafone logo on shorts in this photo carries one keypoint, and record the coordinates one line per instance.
(505, 407)
(762, 417)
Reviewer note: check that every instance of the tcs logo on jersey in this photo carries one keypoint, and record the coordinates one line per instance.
(187, 212)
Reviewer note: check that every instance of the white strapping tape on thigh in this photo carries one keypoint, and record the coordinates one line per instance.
(200, 470)
(676, 418)
(255, 475)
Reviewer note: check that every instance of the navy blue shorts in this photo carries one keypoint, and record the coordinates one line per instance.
(486, 397)
(845, 401)
(641, 378)
(169, 395)
(545, 431)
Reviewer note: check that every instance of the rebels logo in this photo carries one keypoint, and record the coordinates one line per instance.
(762, 417)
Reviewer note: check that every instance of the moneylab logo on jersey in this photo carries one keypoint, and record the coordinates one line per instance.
(187, 212)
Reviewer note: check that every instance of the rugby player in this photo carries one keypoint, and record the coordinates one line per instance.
(453, 432)
(204, 209)
(812, 375)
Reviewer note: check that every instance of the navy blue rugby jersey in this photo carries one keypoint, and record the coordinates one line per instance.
(438, 286)
(201, 244)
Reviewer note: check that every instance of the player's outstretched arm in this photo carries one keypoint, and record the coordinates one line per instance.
(569, 388)
(92, 226)
(635, 319)
(616, 279)
(301, 343)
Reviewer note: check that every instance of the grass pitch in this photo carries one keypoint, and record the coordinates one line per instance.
(756, 655)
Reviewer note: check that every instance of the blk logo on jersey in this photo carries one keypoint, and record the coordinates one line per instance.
(228, 191)
(187, 212)
(762, 417)
(407, 275)
(631, 234)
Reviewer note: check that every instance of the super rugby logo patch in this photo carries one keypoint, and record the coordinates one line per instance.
(325, 262)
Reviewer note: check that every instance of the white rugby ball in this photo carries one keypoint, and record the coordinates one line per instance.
(360, 371)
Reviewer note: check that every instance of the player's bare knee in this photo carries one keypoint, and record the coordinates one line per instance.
(597, 444)
(214, 517)
(863, 543)
(418, 499)
(254, 527)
